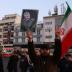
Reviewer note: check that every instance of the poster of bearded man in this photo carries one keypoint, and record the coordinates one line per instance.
(29, 20)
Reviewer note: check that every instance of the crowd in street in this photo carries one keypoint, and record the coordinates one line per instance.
(38, 59)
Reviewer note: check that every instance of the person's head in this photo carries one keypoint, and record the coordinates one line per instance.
(45, 50)
(26, 15)
(37, 51)
(70, 58)
(67, 56)
(24, 51)
(15, 53)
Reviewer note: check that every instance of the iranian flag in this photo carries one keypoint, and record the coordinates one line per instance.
(66, 31)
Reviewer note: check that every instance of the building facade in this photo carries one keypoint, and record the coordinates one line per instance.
(21, 39)
(49, 25)
(10, 30)
(45, 32)
(7, 25)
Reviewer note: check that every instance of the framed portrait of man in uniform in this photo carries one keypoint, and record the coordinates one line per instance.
(29, 20)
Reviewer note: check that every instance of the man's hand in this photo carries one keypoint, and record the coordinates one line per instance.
(29, 36)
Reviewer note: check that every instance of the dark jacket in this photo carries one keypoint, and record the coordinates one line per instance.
(1, 64)
(23, 62)
(36, 60)
(57, 51)
(65, 65)
(41, 63)
(12, 63)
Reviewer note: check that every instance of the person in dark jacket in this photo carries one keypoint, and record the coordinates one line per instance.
(42, 61)
(23, 62)
(57, 48)
(70, 63)
(12, 63)
(65, 63)
(34, 54)
(1, 62)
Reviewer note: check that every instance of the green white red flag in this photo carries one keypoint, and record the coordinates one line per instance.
(66, 31)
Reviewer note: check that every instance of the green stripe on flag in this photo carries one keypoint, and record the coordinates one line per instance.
(68, 11)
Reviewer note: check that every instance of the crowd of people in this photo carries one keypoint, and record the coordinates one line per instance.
(38, 59)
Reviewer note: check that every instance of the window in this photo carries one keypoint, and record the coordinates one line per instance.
(48, 23)
(0, 36)
(5, 41)
(23, 34)
(14, 40)
(23, 40)
(38, 39)
(12, 27)
(5, 29)
(38, 31)
(11, 23)
(11, 41)
(16, 33)
(48, 29)
(0, 30)
(5, 35)
(11, 34)
(20, 34)
(50, 36)
(20, 40)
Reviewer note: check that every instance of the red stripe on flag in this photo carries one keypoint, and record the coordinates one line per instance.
(66, 43)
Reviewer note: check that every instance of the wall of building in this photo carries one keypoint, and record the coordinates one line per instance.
(7, 25)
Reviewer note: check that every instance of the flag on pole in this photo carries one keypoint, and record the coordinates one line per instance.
(66, 31)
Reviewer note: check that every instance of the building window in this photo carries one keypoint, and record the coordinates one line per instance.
(20, 40)
(11, 34)
(48, 23)
(0, 30)
(11, 41)
(5, 35)
(12, 28)
(11, 23)
(14, 40)
(23, 40)
(5, 29)
(20, 34)
(23, 33)
(38, 39)
(16, 33)
(38, 31)
(0, 36)
(5, 41)
(50, 36)
(35, 39)
(48, 29)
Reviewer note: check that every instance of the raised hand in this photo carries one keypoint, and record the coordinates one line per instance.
(29, 35)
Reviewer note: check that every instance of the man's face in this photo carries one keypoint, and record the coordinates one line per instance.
(26, 16)
(37, 52)
(45, 52)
